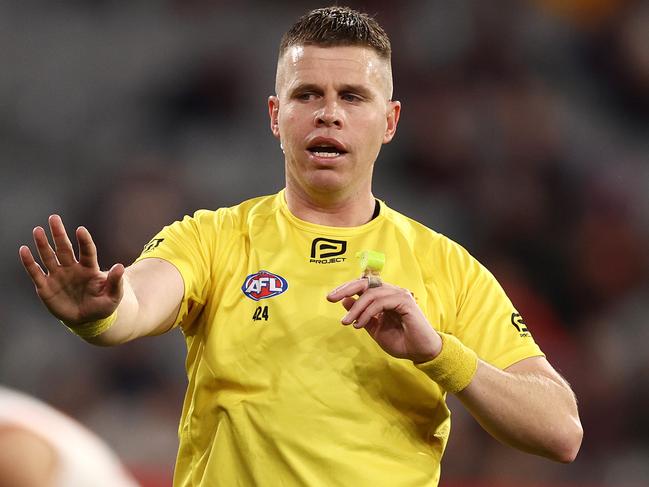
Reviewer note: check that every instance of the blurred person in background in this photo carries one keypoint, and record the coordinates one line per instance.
(278, 394)
(42, 447)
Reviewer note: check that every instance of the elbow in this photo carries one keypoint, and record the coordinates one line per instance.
(567, 447)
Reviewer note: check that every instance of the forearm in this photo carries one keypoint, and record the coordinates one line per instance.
(531, 410)
(528, 406)
(125, 325)
(153, 291)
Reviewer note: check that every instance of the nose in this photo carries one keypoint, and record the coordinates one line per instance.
(328, 115)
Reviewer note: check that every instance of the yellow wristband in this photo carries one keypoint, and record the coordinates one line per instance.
(454, 367)
(93, 328)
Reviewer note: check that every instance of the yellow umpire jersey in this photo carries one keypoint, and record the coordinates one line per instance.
(280, 394)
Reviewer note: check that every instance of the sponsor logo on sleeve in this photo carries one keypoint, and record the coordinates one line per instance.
(152, 245)
(327, 251)
(519, 324)
(263, 285)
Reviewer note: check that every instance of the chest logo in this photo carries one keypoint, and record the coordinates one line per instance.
(327, 251)
(263, 285)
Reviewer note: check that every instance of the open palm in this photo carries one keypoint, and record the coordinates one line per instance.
(74, 290)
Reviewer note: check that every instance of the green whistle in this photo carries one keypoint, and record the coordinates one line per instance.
(371, 261)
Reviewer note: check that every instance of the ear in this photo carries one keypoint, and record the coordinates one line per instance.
(273, 112)
(394, 112)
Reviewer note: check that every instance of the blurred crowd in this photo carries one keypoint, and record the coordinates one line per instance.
(524, 136)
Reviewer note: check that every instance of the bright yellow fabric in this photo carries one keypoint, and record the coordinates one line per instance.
(93, 328)
(298, 399)
(453, 369)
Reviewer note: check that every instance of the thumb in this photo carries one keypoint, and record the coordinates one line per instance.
(115, 282)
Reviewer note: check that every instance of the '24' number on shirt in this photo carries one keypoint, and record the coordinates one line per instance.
(261, 313)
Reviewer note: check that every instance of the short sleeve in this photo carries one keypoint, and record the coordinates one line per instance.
(187, 245)
(486, 319)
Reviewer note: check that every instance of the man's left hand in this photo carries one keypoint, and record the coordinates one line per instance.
(391, 316)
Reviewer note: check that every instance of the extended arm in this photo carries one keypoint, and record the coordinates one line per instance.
(528, 406)
(144, 298)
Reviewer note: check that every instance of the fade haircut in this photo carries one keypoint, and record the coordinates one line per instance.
(337, 26)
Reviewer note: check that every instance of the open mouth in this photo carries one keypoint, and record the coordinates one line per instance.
(326, 149)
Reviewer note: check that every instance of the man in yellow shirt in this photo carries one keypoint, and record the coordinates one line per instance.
(279, 393)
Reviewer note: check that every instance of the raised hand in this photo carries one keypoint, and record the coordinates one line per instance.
(391, 316)
(74, 290)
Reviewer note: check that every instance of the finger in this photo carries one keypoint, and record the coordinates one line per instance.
(62, 244)
(377, 306)
(351, 288)
(348, 303)
(31, 266)
(87, 249)
(362, 302)
(45, 251)
(114, 281)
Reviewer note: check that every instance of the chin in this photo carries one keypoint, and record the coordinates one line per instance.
(327, 182)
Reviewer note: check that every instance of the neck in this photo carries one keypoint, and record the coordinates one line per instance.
(350, 211)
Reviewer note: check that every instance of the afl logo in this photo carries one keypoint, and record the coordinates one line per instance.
(263, 285)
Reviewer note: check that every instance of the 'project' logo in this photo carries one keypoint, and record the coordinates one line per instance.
(327, 251)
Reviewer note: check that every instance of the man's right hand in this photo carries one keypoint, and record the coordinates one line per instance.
(75, 290)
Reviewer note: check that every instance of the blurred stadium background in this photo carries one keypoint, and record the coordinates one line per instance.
(524, 136)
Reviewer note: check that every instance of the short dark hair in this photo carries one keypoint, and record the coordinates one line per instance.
(337, 26)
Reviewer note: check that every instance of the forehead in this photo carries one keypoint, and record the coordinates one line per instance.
(343, 64)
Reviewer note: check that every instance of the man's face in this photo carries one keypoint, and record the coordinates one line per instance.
(332, 113)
